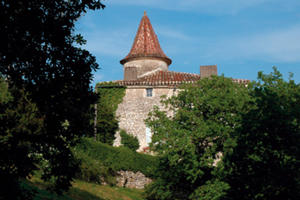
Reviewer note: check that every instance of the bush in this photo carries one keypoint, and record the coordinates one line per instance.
(92, 170)
(117, 158)
(129, 141)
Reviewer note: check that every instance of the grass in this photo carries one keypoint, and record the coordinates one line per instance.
(84, 191)
(110, 193)
(97, 160)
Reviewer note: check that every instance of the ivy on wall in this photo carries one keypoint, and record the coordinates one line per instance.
(110, 96)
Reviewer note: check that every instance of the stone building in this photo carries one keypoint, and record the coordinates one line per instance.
(147, 78)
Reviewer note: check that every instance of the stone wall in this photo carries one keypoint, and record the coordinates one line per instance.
(145, 66)
(130, 73)
(134, 109)
(130, 179)
(208, 70)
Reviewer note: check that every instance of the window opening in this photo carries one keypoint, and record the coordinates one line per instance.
(148, 136)
(149, 92)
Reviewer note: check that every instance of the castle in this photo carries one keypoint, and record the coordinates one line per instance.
(147, 78)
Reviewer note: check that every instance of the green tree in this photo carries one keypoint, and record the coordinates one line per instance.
(38, 52)
(190, 144)
(20, 124)
(265, 164)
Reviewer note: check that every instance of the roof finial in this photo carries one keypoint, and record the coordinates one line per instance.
(145, 13)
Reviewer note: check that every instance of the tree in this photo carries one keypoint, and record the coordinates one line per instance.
(190, 144)
(38, 52)
(20, 124)
(265, 164)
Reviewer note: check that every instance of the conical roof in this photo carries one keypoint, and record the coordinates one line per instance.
(146, 44)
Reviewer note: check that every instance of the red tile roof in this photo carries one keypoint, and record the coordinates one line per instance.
(163, 78)
(146, 44)
(168, 78)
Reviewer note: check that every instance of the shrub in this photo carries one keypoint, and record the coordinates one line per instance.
(129, 141)
(117, 158)
(92, 170)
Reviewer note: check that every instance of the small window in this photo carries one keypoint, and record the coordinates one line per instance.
(149, 92)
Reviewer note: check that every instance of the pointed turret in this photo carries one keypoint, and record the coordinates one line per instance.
(146, 55)
(146, 44)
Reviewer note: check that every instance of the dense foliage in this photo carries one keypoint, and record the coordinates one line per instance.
(110, 96)
(20, 124)
(93, 170)
(38, 53)
(116, 158)
(227, 141)
(129, 141)
(5, 95)
(265, 164)
(191, 143)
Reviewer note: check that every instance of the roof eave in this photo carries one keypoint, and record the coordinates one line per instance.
(139, 57)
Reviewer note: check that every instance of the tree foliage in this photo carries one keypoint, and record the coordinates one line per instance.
(190, 144)
(5, 95)
(226, 141)
(38, 53)
(265, 164)
(20, 125)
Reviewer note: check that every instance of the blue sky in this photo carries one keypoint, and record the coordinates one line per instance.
(241, 36)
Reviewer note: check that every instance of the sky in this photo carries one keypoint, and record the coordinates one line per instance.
(241, 37)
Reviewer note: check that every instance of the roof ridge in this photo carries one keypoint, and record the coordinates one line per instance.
(153, 73)
(186, 73)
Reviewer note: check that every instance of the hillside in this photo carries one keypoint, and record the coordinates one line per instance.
(82, 190)
(99, 163)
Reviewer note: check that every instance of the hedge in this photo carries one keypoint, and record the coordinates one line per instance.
(117, 158)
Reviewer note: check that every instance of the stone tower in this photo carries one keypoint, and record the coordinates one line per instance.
(146, 55)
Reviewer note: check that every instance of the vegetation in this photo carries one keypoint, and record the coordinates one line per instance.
(48, 77)
(82, 190)
(93, 170)
(193, 140)
(224, 142)
(5, 95)
(227, 141)
(265, 163)
(20, 124)
(110, 96)
(114, 158)
(129, 141)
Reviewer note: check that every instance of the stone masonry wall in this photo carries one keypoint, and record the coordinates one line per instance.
(134, 110)
(130, 179)
(145, 66)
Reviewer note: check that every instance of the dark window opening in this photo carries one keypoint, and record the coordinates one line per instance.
(149, 92)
